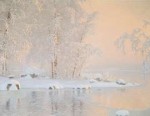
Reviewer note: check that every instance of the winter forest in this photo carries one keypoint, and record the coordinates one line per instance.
(44, 36)
(47, 37)
(74, 57)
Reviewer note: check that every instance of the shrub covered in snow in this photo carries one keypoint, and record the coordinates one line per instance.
(122, 113)
(98, 79)
(55, 86)
(34, 75)
(11, 76)
(10, 85)
(121, 82)
(28, 77)
(92, 81)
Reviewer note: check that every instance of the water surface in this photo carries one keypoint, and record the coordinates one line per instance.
(68, 102)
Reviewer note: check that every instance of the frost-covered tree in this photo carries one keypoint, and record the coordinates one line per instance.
(47, 35)
(3, 47)
(71, 24)
(5, 42)
(12, 45)
(67, 26)
(140, 42)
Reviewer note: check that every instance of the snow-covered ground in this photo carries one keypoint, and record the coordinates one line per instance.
(47, 83)
(9, 84)
(122, 113)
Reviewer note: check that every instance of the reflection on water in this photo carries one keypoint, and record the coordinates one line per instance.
(102, 102)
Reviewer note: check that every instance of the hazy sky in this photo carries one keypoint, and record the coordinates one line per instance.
(114, 17)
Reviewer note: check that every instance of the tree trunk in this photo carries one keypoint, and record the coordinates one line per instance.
(4, 65)
(52, 69)
(76, 64)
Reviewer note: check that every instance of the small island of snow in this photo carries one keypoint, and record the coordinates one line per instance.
(28, 82)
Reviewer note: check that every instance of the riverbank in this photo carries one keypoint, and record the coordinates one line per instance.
(46, 83)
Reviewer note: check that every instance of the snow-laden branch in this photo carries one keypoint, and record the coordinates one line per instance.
(140, 42)
(46, 34)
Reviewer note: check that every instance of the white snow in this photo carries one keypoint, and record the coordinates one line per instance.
(70, 84)
(28, 77)
(92, 81)
(122, 113)
(121, 82)
(9, 84)
(34, 83)
(46, 83)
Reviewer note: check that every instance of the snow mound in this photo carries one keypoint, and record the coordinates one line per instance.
(55, 86)
(122, 113)
(92, 81)
(11, 76)
(121, 82)
(28, 77)
(10, 85)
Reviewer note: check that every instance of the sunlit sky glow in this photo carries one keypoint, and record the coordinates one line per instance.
(114, 17)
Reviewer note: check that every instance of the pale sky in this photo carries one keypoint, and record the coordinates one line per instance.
(114, 17)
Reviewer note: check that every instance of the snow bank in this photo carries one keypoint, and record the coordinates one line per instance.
(35, 83)
(75, 84)
(9, 84)
(92, 81)
(46, 83)
(122, 113)
(55, 86)
(28, 77)
(121, 82)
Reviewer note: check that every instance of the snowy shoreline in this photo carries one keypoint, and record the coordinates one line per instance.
(40, 83)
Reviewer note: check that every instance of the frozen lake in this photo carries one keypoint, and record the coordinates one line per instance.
(69, 102)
